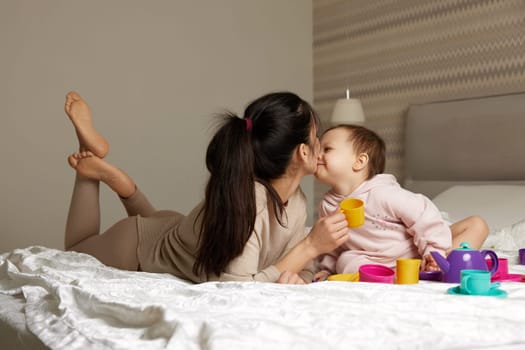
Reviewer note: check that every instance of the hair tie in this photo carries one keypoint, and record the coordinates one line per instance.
(248, 124)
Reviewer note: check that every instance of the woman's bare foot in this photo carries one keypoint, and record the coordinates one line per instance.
(89, 139)
(89, 165)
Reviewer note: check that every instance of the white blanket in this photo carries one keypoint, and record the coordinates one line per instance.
(72, 301)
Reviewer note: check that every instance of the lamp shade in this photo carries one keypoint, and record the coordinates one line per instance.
(348, 111)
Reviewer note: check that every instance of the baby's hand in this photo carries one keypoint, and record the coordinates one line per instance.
(429, 264)
(321, 276)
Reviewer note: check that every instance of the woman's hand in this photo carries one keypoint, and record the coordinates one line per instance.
(288, 277)
(321, 276)
(328, 233)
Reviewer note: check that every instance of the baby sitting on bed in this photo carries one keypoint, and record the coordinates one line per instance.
(398, 223)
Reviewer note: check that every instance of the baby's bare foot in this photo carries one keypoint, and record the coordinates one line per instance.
(89, 165)
(89, 139)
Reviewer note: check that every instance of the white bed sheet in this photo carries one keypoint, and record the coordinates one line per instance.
(74, 302)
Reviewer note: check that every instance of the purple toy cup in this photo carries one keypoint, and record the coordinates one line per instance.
(522, 256)
(376, 273)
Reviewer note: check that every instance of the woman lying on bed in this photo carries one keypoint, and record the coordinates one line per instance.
(251, 223)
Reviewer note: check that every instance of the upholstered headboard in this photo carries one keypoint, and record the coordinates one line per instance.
(471, 141)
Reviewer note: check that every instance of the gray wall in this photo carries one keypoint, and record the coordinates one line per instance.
(154, 72)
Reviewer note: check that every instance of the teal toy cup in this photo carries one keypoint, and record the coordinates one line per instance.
(476, 282)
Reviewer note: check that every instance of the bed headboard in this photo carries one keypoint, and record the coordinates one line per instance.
(470, 141)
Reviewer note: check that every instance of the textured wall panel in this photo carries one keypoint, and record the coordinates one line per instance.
(396, 53)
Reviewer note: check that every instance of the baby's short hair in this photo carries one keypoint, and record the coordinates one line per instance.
(366, 141)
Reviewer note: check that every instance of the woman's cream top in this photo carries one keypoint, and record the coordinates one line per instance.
(168, 242)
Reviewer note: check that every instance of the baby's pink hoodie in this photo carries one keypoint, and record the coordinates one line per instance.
(398, 224)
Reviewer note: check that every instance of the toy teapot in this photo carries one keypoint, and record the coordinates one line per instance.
(464, 258)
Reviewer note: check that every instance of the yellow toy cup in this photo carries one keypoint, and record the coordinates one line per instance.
(354, 210)
(407, 271)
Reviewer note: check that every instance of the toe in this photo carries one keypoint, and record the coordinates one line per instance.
(72, 160)
(74, 95)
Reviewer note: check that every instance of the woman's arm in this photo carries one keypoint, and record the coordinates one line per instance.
(246, 266)
(326, 262)
(327, 234)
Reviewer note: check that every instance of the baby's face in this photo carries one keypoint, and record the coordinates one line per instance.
(336, 157)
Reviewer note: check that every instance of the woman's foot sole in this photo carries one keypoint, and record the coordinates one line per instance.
(80, 115)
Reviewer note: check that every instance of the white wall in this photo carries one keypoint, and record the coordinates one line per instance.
(154, 72)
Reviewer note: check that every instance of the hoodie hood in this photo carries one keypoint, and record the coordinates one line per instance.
(377, 181)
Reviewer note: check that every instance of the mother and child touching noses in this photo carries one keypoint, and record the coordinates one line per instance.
(250, 225)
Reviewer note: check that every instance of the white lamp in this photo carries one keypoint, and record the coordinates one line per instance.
(348, 111)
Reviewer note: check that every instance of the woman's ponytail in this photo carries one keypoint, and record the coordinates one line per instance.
(228, 215)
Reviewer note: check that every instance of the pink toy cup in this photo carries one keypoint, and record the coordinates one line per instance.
(376, 273)
(502, 272)
(503, 267)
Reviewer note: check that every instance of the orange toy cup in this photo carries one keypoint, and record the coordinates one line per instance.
(354, 210)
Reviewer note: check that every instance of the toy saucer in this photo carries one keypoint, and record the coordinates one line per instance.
(345, 277)
(430, 275)
(493, 292)
(511, 277)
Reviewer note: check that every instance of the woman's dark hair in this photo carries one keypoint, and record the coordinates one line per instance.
(257, 147)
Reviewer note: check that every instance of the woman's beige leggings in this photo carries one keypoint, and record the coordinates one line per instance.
(117, 246)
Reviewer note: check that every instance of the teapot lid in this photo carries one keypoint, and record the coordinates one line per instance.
(464, 246)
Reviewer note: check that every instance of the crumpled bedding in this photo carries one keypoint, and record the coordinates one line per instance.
(509, 238)
(72, 301)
